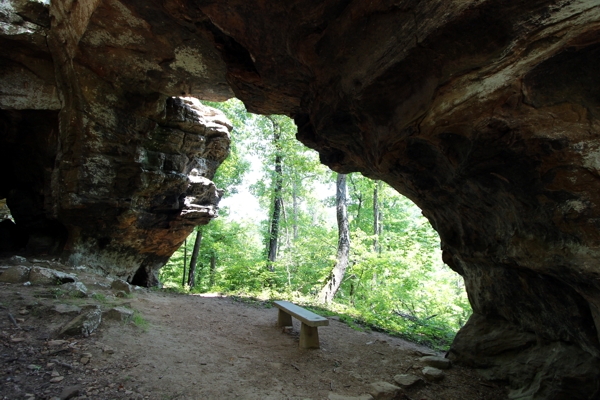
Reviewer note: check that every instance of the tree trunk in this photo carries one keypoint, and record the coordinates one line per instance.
(337, 273)
(277, 189)
(358, 194)
(377, 228)
(192, 275)
(184, 261)
(213, 264)
(295, 208)
(375, 217)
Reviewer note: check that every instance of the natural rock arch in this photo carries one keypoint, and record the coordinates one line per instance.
(485, 113)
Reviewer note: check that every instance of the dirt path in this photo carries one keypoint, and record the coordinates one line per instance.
(197, 347)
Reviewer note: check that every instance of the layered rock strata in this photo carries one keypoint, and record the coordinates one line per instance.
(107, 171)
(485, 113)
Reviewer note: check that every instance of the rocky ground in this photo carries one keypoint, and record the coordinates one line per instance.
(69, 333)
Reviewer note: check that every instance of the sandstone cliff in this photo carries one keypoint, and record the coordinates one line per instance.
(485, 113)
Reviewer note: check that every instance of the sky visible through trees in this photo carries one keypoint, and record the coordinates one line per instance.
(277, 237)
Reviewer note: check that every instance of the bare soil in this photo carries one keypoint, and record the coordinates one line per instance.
(199, 347)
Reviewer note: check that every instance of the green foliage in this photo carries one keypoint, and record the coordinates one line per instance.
(400, 286)
(139, 321)
(100, 298)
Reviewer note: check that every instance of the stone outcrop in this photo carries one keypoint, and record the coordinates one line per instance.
(484, 113)
(108, 170)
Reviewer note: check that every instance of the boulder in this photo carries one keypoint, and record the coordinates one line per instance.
(407, 380)
(436, 362)
(121, 285)
(66, 309)
(46, 276)
(433, 374)
(84, 324)
(384, 390)
(74, 289)
(16, 274)
(17, 260)
(120, 314)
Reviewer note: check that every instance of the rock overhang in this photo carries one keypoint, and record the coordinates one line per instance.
(483, 113)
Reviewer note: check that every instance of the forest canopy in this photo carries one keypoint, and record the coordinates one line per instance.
(287, 248)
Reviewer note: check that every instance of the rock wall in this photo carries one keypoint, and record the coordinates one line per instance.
(485, 113)
(108, 171)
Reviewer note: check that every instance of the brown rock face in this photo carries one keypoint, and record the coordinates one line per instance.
(103, 167)
(485, 113)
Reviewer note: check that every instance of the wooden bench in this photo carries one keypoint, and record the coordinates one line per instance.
(309, 335)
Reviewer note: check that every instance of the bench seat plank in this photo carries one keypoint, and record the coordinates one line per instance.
(307, 317)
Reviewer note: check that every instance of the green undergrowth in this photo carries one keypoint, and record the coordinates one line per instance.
(139, 321)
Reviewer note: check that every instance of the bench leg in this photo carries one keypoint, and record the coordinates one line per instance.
(284, 319)
(309, 337)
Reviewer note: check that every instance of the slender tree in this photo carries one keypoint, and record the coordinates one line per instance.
(194, 259)
(295, 207)
(377, 216)
(277, 195)
(339, 269)
(184, 261)
(213, 264)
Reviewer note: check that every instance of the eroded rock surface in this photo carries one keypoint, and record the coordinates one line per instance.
(99, 163)
(485, 113)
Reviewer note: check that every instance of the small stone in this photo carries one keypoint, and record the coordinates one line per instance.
(407, 380)
(108, 350)
(57, 379)
(20, 320)
(333, 396)
(17, 340)
(49, 365)
(56, 342)
(436, 362)
(433, 374)
(70, 392)
(87, 355)
(24, 311)
(54, 373)
(384, 390)
(84, 360)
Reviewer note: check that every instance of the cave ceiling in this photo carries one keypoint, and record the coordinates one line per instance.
(484, 113)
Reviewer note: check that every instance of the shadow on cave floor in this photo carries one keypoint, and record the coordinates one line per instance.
(193, 347)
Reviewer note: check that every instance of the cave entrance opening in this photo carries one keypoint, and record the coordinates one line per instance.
(12, 238)
(277, 191)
